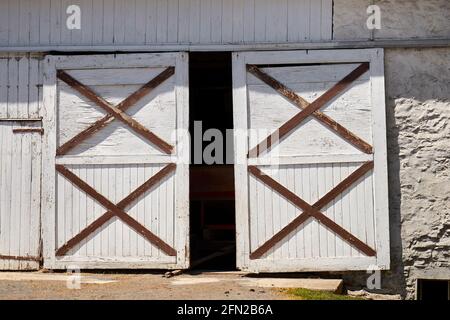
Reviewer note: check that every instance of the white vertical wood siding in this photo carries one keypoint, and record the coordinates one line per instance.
(20, 90)
(310, 162)
(139, 22)
(20, 168)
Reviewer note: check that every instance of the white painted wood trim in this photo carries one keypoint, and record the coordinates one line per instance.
(155, 60)
(48, 161)
(117, 263)
(258, 46)
(128, 159)
(240, 117)
(381, 195)
(288, 160)
(304, 57)
(183, 154)
(312, 265)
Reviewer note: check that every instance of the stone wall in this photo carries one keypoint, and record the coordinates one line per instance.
(418, 115)
(418, 104)
(400, 19)
(418, 122)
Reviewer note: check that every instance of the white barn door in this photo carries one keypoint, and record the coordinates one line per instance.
(311, 178)
(20, 192)
(115, 190)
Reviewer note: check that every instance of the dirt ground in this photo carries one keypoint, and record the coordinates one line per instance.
(202, 286)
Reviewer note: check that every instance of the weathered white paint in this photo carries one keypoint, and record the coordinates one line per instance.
(115, 161)
(20, 182)
(19, 86)
(313, 160)
(139, 22)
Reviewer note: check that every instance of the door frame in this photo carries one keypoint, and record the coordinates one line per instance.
(51, 64)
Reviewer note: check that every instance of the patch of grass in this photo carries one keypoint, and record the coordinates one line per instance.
(306, 294)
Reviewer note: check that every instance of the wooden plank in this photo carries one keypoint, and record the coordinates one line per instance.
(14, 22)
(326, 20)
(183, 21)
(87, 24)
(108, 22)
(15, 199)
(172, 21)
(249, 21)
(182, 229)
(5, 127)
(380, 176)
(194, 21)
(161, 24)
(48, 152)
(130, 22)
(294, 20)
(24, 22)
(205, 21)
(315, 159)
(55, 22)
(23, 88)
(44, 22)
(97, 21)
(13, 88)
(20, 258)
(260, 20)
(276, 21)
(227, 21)
(216, 21)
(4, 87)
(33, 93)
(240, 172)
(315, 29)
(119, 21)
(4, 22)
(238, 21)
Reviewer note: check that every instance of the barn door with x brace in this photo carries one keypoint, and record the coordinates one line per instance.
(115, 191)
(311, 178)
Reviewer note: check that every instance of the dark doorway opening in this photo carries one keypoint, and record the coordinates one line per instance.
(212, 210)
(433, 290)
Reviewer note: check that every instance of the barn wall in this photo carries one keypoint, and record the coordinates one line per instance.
(20, 167)
(418, 113)
(400, 19)
(138, 22)
(20, 86)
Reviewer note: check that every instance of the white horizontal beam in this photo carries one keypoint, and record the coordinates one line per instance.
(413, 43)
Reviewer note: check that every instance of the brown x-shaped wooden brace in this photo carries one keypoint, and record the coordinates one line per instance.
(309, 109)
(312, 211)
(117, 112)
(116, 210)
